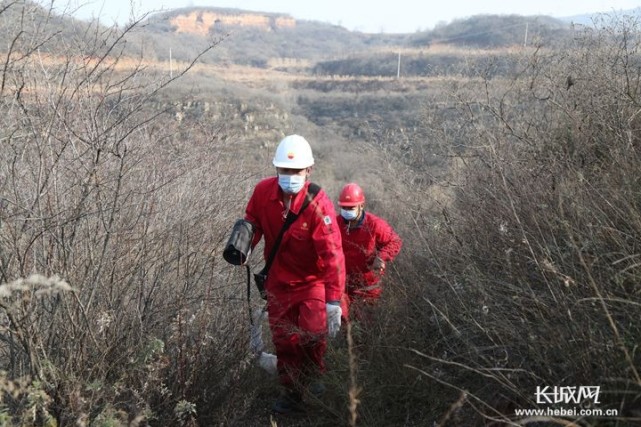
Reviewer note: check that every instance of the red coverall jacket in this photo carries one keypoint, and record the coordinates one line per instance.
(362, 243)
(308, 270)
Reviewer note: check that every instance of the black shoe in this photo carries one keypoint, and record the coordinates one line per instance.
(287, 403)
(317, 389)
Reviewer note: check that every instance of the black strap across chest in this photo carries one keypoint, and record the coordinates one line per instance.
(312, 191)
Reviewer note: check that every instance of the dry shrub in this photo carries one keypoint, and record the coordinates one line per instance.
(131, 208)
(532, 271)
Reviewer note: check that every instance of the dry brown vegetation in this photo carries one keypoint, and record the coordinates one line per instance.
(517, 197)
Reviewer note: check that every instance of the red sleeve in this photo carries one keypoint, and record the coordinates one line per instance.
(252, 215)
(388, 243)
(329, 248)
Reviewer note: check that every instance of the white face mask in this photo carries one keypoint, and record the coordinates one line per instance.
(291, 184)
(349, 215)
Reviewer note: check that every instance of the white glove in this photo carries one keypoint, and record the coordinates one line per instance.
(334, 313)
(256, 344)
(268, 362)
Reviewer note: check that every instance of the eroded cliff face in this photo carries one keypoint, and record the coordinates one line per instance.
(203, 22)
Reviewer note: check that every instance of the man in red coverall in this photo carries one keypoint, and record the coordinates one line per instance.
(306, 281)
(369, 243)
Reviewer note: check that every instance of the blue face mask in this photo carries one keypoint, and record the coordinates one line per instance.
(349, 215)
(291, 184)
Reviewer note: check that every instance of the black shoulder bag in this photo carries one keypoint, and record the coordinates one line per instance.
(261, 277)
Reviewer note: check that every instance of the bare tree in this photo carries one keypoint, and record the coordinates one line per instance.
(104, 189)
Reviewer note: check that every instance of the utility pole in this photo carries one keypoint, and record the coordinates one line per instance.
(525, 42)
(171, 68)
(398, 68)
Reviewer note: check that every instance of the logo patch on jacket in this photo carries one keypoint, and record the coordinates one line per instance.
(327, 220)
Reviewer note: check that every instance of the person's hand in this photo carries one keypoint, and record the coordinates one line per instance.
(334, 313)
(378, 266)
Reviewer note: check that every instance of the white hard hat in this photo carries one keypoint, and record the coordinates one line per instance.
(293, 152)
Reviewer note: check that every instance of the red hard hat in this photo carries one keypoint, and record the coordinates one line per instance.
(351, 195)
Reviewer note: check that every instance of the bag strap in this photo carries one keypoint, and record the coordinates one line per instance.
(312, 191)
(249, 294)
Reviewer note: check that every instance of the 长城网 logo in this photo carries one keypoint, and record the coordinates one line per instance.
(567, 394)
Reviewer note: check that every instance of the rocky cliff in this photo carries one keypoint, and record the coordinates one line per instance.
(203, 22)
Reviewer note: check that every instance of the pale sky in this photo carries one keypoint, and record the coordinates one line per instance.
(371, 16)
